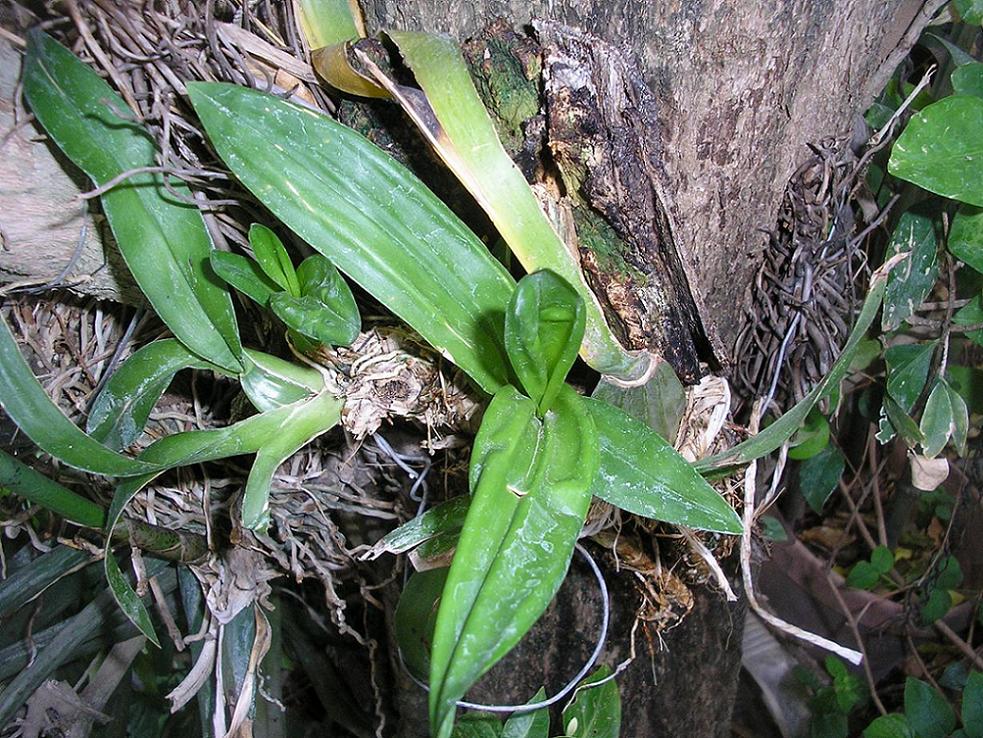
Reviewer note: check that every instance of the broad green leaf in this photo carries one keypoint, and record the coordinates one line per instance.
(270, 382)
(245, 275)
(307, 421)
(594, 712)
(907, 371)
(273, 258)
(972, 709)
(544, 325)
(414, 619)
(936, 605)
(641, 473)
(245, 437)
(959, 58)
(910, 283)
(447, 517)
(882, 559)
(329, 22)
(22, 480)
(941, 149)
(372, 217)
(121, 410)
(531, 483)
(659, 403)
(971, 11)
(452, 117)
(960, 420)
(819, 475)
(863, 575)
(477, 726)
(811, 438)
(325, 310)
(535, 724)
(968, 79)
(937, 420)
(164, 242)
(889, 726)
(895, 419)
(950, 574)
(782, 429)
(971, 314)
(28, 405)
(966, 236)
(967, 381)
(929, 714)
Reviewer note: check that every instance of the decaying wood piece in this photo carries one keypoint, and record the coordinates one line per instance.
(602, 129)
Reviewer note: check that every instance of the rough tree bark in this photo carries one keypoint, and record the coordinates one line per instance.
(680, 134)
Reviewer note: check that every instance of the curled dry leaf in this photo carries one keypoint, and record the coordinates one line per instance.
(927, 474)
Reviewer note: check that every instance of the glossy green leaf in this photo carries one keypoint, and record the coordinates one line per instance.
(28, 405)
(415, 617)
(895, 419)
(936, 605)
(659, 403)
(889, 726)
(811, 438)
(372, 217)
(950, 574)
(245, 275)
(960, 419)
(937, 420)
(454, 120)
(882, 559)
(530, 482)
(972, 708)
(270, 382)
(23, 481)
(544, 325)
(862, 576)
(971, 11)
(910, 283)
(326, 310)
(907, 371)
(940, 149)
(121, 410)
(477, 726)
(594, 712)
(164, 242)
(273, 258)
(968, 315)
(782, 429)
(447, 517)
(181, 449)
(966, 236)
(307, 421)
(535, 724)
(641, 473)
(819, 475)
(928, 712)
(968, 79)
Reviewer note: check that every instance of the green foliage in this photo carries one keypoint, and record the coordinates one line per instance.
(968, 79)
(939, 149)
(544, 325)
(867, 574)
(371, 217)
(910, 283)
(164, 242)
(819, 476)
(594, 713)
(831, 704)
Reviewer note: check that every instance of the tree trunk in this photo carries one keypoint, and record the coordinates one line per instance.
(679, 134)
